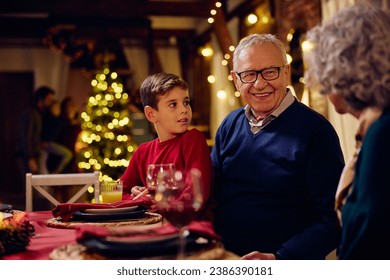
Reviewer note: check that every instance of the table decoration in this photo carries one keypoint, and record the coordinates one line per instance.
(15, 233)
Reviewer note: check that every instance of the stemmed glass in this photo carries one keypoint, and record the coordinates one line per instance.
(158, 173)
(178, 201)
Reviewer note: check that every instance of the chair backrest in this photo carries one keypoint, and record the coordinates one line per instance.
(38, 181)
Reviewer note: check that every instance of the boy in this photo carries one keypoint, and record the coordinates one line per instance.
(166, 103)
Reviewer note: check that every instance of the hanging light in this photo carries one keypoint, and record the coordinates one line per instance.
(251, 19)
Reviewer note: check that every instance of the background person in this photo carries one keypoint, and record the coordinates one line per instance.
(276, 163)
(28, 147)
(351, 61)
(51, 128)
(70, 130)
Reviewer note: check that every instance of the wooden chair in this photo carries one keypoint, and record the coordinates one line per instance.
(38, 181)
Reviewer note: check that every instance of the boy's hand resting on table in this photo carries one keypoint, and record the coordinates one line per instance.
(139, 190)
(136, 190)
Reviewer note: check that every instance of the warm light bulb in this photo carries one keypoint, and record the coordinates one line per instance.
(211, 79)
(251, 19)
(207, 52)
(289, 59)
(221, 94)
(307, 46)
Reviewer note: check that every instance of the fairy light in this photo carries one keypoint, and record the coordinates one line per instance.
(211, 79)
(207, 52)
(251, 19)
(221, 94)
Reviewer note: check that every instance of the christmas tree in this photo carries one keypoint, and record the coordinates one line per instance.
(106, 127)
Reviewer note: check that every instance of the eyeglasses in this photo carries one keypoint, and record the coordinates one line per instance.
(268, 74)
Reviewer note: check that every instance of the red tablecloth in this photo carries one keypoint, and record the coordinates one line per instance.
(45, 239)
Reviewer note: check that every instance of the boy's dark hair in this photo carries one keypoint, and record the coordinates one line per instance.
(158, 85)
(41, 93)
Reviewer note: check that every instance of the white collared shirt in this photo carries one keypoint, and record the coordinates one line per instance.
(257, 125)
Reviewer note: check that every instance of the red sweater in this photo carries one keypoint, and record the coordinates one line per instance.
(188, 150)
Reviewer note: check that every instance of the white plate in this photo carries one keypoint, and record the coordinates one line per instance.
(111, 210)
(5, 215)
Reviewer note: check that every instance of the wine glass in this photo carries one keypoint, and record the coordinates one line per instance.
(158, 172)
(178, 201)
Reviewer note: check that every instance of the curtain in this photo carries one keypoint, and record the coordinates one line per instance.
(137, 58)
(138, 61)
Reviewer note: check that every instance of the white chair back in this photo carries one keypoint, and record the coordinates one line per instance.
(38, 181)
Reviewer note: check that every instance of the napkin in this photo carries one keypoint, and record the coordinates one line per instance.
(201, 228)
(66, 210)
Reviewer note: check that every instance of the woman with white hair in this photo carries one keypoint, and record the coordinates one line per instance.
(350, 60)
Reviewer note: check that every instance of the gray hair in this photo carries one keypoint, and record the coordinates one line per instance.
(258, 39)
(351, 56)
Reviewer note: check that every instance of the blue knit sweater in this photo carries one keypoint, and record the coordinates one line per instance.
(275, 189)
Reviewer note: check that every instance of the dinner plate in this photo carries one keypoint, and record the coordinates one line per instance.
(108, 216)
(111, 210)
(5, 207)
(144, 247)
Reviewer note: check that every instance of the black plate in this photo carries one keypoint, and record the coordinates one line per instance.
(103, 217)
(145, 248)
(5, 207)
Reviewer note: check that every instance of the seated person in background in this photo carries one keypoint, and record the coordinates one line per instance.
(351, 61)
(167, 106)
(71, 128)
(29, 146)
(51, 129)
(276, 163)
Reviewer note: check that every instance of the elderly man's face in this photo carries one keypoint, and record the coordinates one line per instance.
(262, 96)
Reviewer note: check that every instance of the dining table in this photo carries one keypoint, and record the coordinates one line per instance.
(54, 242)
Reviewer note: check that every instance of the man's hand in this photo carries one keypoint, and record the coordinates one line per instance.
(256, 255)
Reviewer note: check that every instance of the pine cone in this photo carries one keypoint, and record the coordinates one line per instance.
(15, 239)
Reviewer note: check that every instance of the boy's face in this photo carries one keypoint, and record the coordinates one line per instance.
(174, 114)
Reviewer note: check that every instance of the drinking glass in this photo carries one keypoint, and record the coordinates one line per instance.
(157, 173)
(179, 202)
(111, 191)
